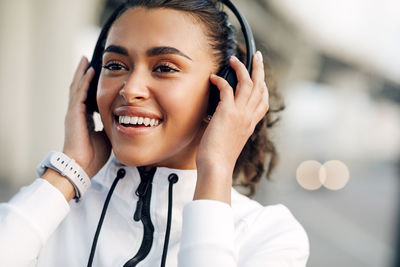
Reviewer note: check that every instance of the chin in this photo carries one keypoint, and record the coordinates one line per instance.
(129, 160)
(134, 159)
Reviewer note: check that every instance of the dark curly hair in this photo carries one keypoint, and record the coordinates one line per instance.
(259, 155)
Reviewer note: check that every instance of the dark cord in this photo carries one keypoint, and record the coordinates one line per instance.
(172, 178)
(120, 175)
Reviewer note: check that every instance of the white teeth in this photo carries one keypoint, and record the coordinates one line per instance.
(138, 121)
(133, 120)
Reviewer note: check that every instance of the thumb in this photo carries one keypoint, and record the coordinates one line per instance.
(225, 89)
(102, 150)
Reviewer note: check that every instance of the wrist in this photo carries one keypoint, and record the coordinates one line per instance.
(68, 169)
(218, 170)
(60, 182)
(214, 184)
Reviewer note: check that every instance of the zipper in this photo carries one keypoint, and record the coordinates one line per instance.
(142, 213)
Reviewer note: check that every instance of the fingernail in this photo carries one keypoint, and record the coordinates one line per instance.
(213, 75)
(89, 69)
(234, 58)
(259, 56)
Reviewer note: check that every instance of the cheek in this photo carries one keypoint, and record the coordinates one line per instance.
(186, 101)
(105, 97)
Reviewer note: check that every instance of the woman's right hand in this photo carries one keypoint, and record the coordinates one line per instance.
(88, 148)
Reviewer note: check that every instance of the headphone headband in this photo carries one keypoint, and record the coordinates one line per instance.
(247, 33)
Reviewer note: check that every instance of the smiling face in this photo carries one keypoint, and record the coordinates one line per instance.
(153, 88)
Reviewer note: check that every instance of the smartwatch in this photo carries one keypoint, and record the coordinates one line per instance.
(68, 168)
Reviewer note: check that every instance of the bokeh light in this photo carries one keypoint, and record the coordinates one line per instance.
(333, 174)
(307, 174)
(336, 175)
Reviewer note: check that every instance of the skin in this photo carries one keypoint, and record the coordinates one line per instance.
(136, 81)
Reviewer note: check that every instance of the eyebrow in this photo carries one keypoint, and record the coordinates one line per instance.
(165, 50)
(155, 51)
(116, 49)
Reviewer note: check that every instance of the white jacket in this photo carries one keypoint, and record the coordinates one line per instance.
(39, 228)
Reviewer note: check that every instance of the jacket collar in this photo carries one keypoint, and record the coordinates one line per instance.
(107, 175)
(183, 190)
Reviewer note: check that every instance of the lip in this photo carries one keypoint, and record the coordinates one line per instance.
(136, 112)
(134, 131)
(132, 112)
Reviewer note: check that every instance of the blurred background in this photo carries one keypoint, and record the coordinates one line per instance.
(335, 62)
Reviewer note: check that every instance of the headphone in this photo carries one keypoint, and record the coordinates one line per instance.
(225, 72)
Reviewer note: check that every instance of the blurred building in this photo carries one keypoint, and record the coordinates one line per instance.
(40, 44)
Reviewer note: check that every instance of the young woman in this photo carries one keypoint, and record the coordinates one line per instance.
(158, 59)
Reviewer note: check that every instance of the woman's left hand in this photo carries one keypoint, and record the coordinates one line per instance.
(231, 125)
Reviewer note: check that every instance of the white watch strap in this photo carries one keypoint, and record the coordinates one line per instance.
(66, 167)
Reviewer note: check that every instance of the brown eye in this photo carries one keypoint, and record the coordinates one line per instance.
(114, 66)
(164, 69)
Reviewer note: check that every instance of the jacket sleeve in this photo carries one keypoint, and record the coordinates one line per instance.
(269, 237)
(207, 235)
(28, 220)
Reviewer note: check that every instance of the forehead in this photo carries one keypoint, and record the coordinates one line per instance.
(140, 28)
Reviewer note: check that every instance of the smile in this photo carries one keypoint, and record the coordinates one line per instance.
(127, 120)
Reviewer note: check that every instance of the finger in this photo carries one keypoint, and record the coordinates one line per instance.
(258, 74)
(263, 106)
(245, 84)
(79, 95)
(225, 90)
(84, 85)
(257, 97)
(80, 70)
(258, 80)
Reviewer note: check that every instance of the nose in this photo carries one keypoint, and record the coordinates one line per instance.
(135, 88)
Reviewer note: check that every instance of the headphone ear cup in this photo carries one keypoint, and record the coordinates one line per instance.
(91, 102)
(229, 75)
